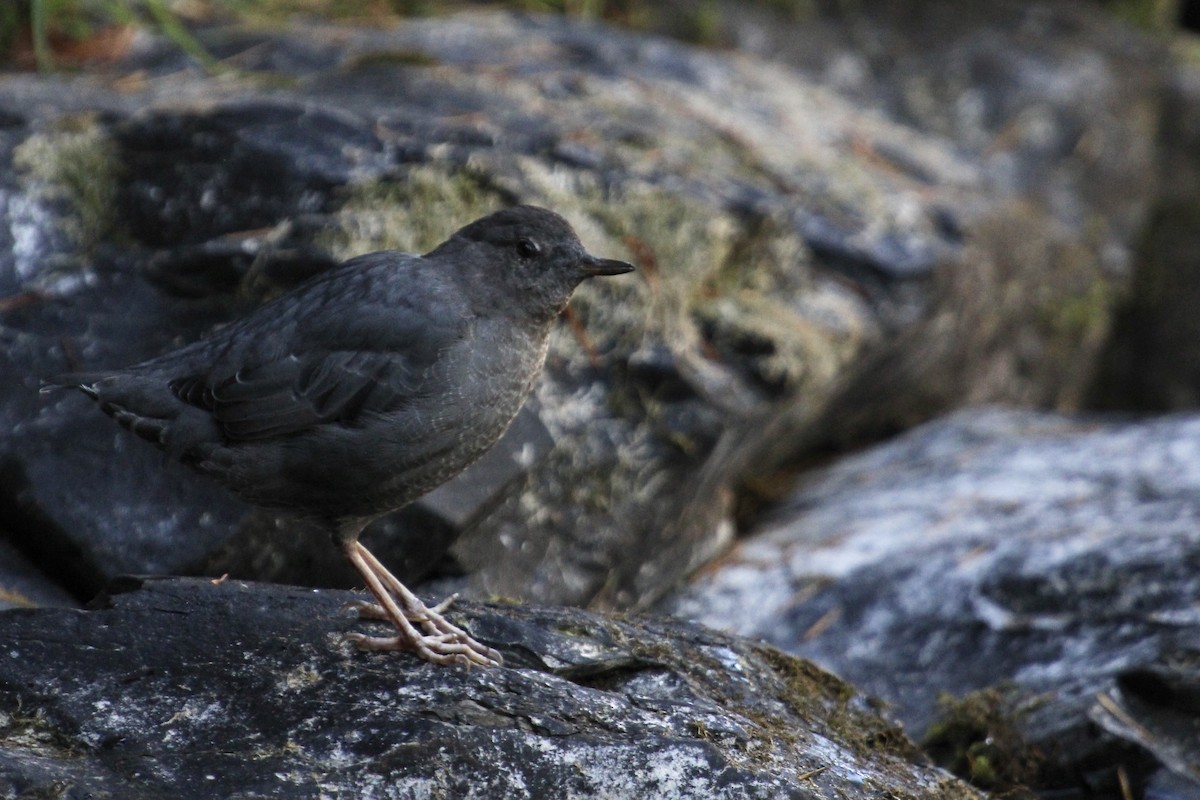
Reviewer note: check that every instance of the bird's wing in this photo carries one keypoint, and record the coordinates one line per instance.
(298, 392)
(377, 359)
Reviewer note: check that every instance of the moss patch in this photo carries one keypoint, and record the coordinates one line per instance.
(804, 689)
(810, 690)
(414, 213)
(31, 732)
(76, 166)
(978, 737)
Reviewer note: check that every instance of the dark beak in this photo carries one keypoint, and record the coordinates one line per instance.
(591, 266)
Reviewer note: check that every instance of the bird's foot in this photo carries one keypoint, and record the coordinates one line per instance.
(443, 643)
(438, 641)
(373, 611)
(451, 647)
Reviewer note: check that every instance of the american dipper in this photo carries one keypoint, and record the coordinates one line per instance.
(366, 387)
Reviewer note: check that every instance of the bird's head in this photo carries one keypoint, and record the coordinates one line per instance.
(525, 257)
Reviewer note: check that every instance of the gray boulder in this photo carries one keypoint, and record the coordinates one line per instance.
(196, 689)
(1047, 560)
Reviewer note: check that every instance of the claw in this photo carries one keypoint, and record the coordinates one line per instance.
(441, 642)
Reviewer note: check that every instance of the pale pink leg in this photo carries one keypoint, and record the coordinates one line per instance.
(442, 642)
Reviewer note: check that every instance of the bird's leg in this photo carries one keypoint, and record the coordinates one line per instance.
(413, 608)
(368, 610)
(442, 642)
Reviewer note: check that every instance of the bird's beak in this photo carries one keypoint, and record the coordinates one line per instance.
(591, 266)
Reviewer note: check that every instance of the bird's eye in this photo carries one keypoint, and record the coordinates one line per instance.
(528, 248)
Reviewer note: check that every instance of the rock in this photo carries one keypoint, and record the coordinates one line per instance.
(190, 688)
(1003, 81)
(1154, 706)
(1152, 362)
(23, 586)
(813, 271)
(1047, 559)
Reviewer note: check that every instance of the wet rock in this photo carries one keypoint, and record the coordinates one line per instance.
(188, 688)
(1049, 559)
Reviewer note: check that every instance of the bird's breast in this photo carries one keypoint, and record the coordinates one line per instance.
(491, 381)
(501, 371)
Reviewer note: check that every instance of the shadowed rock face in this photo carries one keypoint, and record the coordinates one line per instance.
(183, 688)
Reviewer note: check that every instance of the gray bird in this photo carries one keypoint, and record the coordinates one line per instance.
(366, 387)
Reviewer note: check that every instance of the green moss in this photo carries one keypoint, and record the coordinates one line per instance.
(676, 242)
(702, 25)
(770, 684)
(505, 600)
(78, 165)
(1152, 15)
(31, 732)
(715, 287)
(414, 213)
(804, 679)
(812, 692)
(1186, 50)
(978, 737)
(1080, 316)
(577, 631)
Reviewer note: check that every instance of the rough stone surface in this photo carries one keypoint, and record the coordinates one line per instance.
(182, 688)
(1056, 557)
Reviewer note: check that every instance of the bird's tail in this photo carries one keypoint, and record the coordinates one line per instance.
(83, 381)
(150, 428)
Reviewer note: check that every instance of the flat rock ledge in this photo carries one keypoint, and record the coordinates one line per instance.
(194, 688)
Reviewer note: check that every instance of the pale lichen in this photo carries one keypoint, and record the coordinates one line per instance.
(77, 164)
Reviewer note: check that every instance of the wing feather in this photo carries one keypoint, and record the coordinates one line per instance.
(332, 369)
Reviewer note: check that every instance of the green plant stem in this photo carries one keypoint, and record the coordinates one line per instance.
(41, 43)
(176, 32)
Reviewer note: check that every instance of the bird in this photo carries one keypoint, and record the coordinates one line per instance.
(364, 388)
